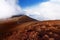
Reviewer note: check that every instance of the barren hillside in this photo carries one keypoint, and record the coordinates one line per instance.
(25, 28)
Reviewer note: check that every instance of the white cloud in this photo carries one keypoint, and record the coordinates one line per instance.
(9, 8)
(49, 10)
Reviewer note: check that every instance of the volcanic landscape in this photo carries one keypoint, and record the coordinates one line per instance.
(26, 28)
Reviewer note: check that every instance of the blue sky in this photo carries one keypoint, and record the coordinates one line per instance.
(25, 3)
(36, 9)
(41, 9)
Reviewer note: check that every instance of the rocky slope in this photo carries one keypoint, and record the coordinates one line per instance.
(25, 28)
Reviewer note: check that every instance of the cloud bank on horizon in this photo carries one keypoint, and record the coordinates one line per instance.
(9, 8)
(49, 10)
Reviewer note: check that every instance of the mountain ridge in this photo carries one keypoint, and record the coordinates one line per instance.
(24, 27)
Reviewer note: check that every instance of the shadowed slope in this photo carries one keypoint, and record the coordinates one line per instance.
(25, 28)
(12, 22)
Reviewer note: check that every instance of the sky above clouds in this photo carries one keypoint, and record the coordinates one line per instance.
(37, 9)
(29, 3)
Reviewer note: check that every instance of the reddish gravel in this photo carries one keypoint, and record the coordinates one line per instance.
(33, 30)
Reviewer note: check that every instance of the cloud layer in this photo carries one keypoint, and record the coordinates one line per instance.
(9, 8)
(49, 10)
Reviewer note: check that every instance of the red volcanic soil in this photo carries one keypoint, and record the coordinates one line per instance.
(25, 28)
